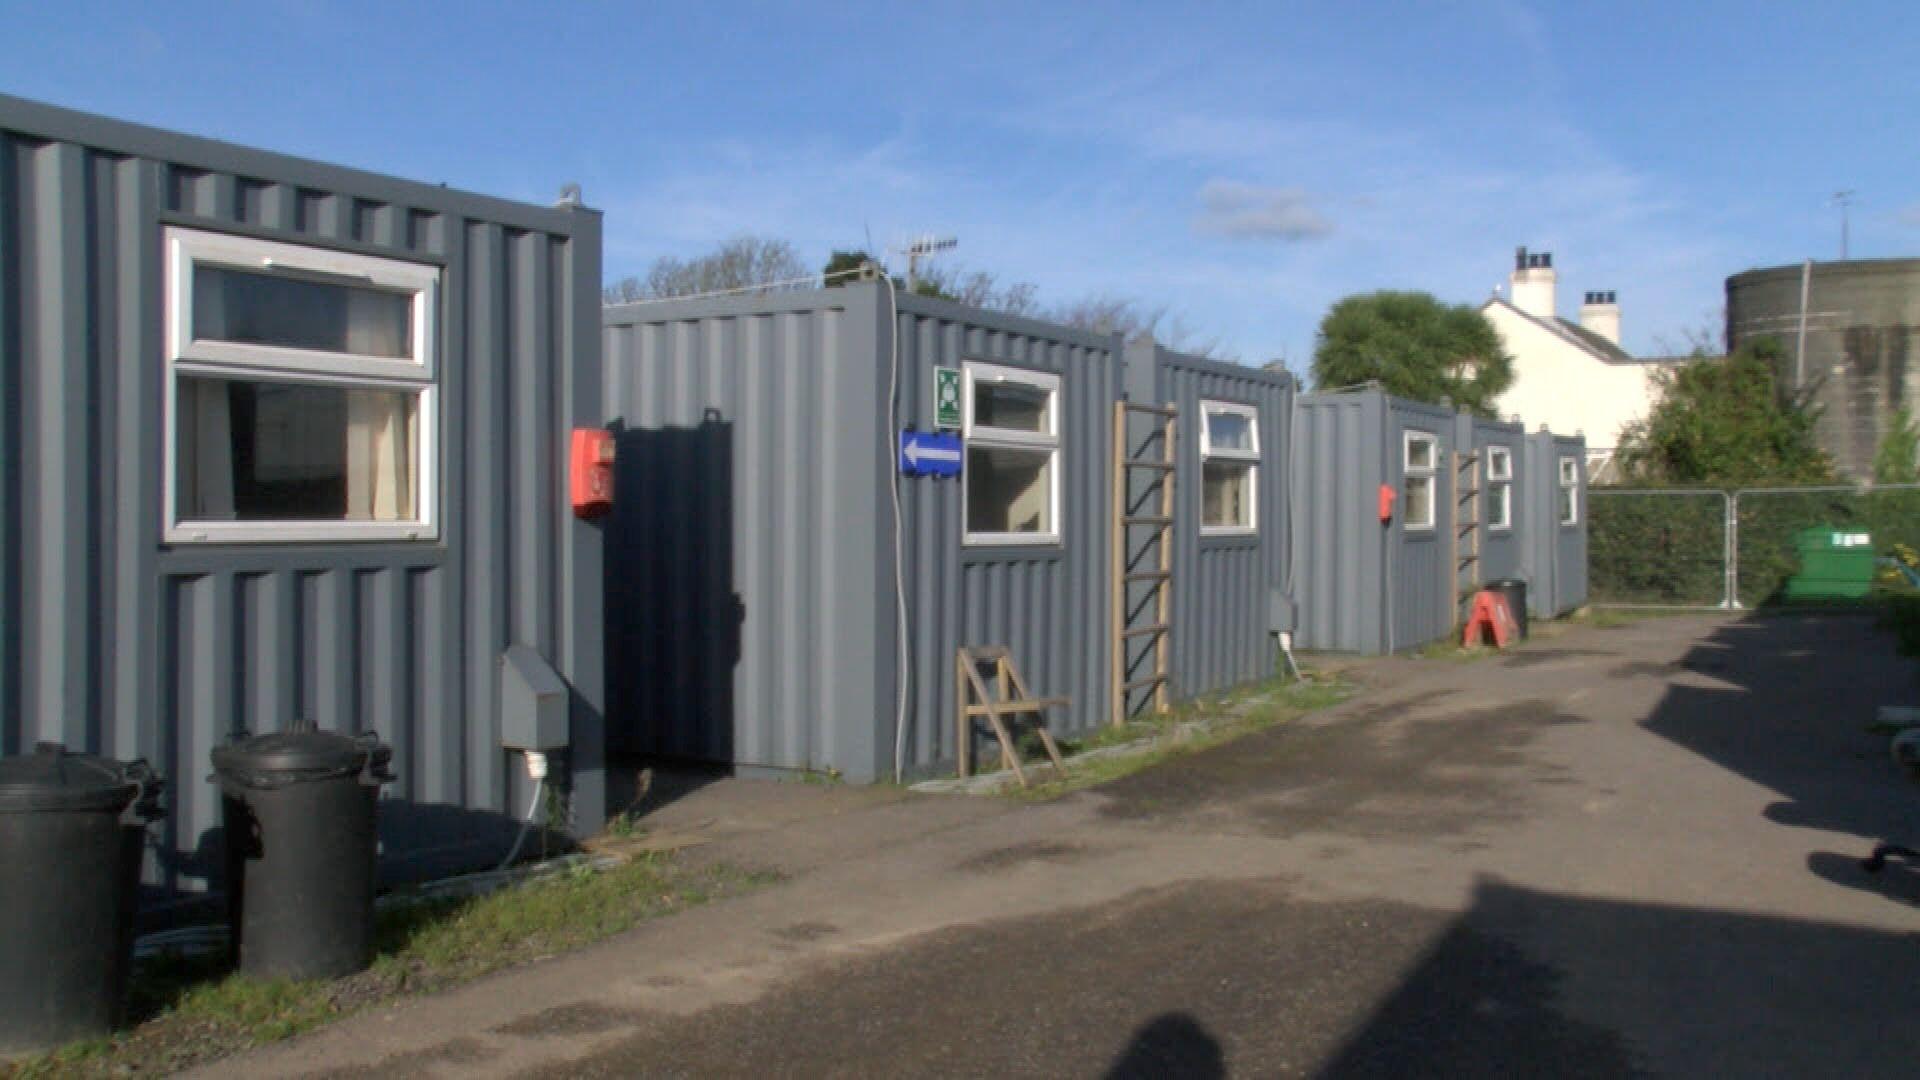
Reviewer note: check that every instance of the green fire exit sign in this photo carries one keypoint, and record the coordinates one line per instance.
(946, 397)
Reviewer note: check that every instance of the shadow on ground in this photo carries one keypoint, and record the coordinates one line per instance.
(1238, 978)
(1786, 704)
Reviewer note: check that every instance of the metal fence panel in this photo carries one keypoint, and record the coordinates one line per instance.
(1658, 548)
(1768, 519)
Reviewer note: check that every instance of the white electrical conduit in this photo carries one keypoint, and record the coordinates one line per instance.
(537, 769)
(899, 532)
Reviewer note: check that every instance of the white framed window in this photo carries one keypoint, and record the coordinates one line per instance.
(301, 393)
(1229, 468)
(1569, 491)
(1011, 483)
(1499, 487)
(1421, 466)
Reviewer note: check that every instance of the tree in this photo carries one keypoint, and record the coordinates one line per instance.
(1415, 347)
(1897, 459)
(1725, 423)
(977, 288)
(844, 266)
(1107, 314)
(744, 262)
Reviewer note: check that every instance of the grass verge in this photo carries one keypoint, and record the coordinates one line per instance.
(186, 1011)
(1189, 728)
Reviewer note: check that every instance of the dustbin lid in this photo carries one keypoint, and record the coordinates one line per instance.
(295, 752)
(52, 778)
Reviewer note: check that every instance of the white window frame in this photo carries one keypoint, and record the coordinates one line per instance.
(414, 374)
(1569, 487)
(1429, 472)
(1013, 439)
(1251, 458)
(1500, 480)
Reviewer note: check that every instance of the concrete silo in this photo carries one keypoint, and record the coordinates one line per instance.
(1854, 349)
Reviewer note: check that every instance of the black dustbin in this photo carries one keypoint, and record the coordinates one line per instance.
(72, 827)
(1515, 591)
(301, 842)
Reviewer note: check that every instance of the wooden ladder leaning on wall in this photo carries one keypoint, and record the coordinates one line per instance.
(1466, 532)
(1157, 529)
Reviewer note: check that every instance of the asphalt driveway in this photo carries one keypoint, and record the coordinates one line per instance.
(1620, 851)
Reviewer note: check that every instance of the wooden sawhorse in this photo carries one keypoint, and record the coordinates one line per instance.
(975, 698)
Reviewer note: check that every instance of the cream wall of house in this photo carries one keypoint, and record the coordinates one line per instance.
(1565, 387)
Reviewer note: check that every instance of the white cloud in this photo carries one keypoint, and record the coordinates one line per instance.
(1240, 210)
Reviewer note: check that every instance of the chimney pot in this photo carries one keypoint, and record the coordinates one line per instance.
(1601, 315)
(1533, 283)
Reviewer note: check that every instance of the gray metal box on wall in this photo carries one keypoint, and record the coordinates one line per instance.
(533, 702)
(750, 582)
(1363, 585)
(1223, 573)
(128, 633)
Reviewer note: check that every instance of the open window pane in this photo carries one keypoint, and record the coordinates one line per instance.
(1011, 406)
(252, 307)
(1499, 463)
(1009, 490)
(1419, 501)
(1229, 431)
(1226, 495)
(274, 451)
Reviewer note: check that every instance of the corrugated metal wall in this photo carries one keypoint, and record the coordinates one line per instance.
(1221, 584)
(1556, 554)
(1571, 542)
(783, 488)
(1501, 554)
(745, 553)
(1349, 444)
(123, 646)
(1422, 560)
(1339, 463)
(1047, 604)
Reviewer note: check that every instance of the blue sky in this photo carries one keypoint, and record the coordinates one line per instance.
(1244, 165)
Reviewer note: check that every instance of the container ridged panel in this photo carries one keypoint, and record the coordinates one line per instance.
(1421, 570)
(1571, 541)
(740, 577)
(1501, 550)
(1221, 584)
(1555, 554)
(1337, 468)
(1047, 604)
(143, 649)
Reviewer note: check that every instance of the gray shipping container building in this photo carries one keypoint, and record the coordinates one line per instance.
(1223, 577)
(750, 576)
(1556, 535)
(129, 629)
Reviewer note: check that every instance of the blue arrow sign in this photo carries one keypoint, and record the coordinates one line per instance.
(930, 453)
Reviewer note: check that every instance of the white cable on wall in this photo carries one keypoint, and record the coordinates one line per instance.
(537, 769)
(899, 533)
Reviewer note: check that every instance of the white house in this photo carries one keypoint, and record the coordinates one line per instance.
(1568, 376)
